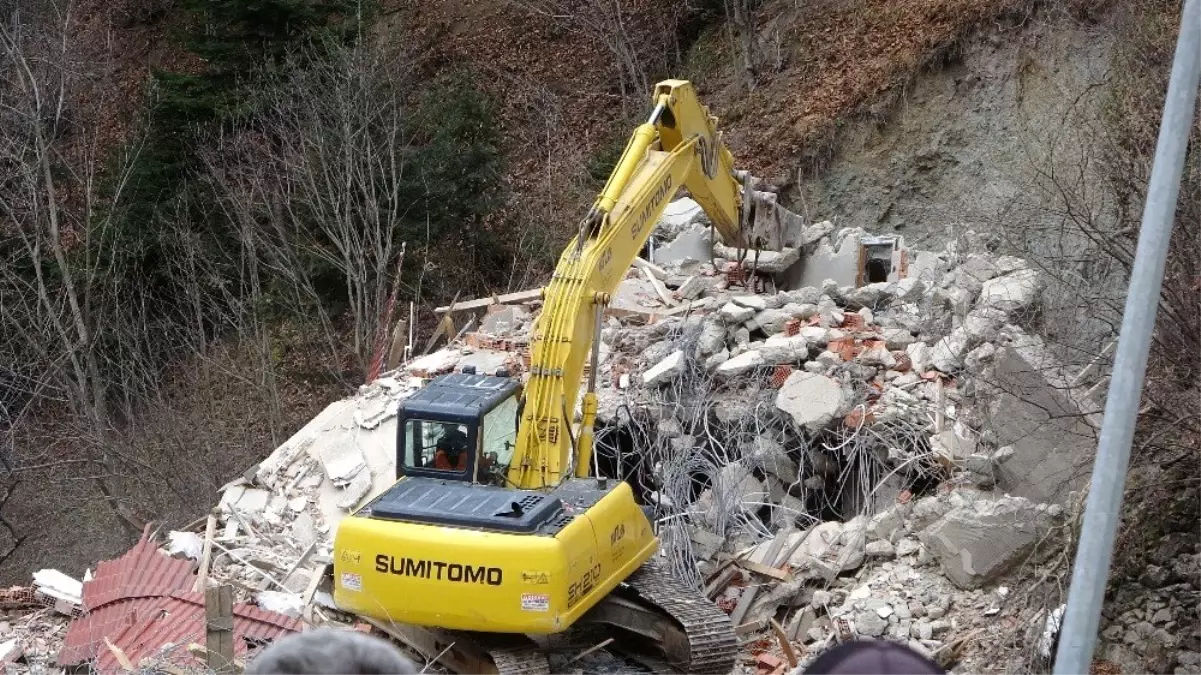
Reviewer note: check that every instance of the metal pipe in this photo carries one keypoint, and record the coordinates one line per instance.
(1078, 635)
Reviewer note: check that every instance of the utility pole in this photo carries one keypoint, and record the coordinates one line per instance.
(1090, 574)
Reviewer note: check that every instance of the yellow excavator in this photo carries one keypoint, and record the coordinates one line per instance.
(498, 529)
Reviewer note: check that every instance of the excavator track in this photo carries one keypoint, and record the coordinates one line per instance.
(514, 654)
(712, 645)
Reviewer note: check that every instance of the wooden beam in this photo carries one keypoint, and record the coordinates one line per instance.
(654, 269)
(479, 303)
(744, 604)
(759, 568)
(785, 644)
(400, 340)
(119, 654)
(219, 628)
(210, 530)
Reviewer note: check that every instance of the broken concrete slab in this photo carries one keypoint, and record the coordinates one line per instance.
(871, 295)
(772, 458)
(696, 286)
(741, 364)
(813, 543)
(947, 354)
(755, 302)
(971, 274)
(765, 262)
(770, 321)
(505, 321)
(737, 486)
(665, 371)
(735, 314)
(806, 295)
(897, 338)
(693, 243)
(982, 324)
(484, 361)
(813, 401)
(1050, 435)
(976, 544)
(979, 358)
(919, 356)
(245, 499)
(1013, 293)
(678, 215)
(953, 445)
(780, 350)
(441, 361)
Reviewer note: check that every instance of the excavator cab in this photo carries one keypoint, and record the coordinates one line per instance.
(460, 427)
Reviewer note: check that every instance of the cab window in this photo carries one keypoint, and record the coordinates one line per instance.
(442, 446)
(500, 439)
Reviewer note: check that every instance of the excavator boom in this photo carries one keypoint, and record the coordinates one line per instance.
(679, 146)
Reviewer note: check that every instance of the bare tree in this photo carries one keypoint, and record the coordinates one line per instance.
(740, 21)
(607, 22)
(318, 187)
(53, 308)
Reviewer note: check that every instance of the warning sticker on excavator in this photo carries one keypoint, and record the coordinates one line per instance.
(352, 582)
(535, 602)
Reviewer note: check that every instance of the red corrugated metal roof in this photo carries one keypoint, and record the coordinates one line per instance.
(143, 601)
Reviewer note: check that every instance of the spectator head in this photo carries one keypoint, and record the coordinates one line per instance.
(877, 657)
(326, 651)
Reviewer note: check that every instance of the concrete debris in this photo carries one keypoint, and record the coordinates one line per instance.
(734, 313)
(793, 371)
(187, 544)
(664, 371)
(813, 401)
(59, 586)
(978, 542)
(1013, 293)
(741, 364)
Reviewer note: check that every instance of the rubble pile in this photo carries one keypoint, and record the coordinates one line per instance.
(826, 457)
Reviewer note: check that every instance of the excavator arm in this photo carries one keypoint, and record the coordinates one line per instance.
(678, 146)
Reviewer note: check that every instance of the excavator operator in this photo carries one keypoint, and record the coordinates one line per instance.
(451, 452)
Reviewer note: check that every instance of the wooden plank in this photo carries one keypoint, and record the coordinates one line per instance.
(119, 654)
(446, 325)
(787, 555)
(400, 340)
(479, 303)
(759, 568)
(201, 651)
(310, 592)
(219, 628)
(647, 266)
(773, 549)
(750, 627)
(785, 644)
(720, 583)
(210, 529)
(664, 295)
(744, 604)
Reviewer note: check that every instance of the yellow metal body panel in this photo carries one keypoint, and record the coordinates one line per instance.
(468, 579)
